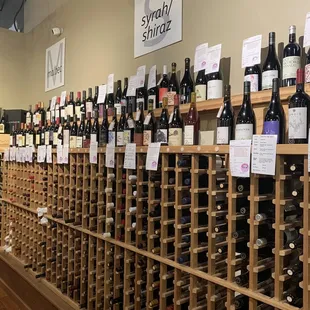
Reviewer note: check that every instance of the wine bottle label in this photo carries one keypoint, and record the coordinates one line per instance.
(55, 138)
(78, 112)
(290, 66)
(120, 138)
(11, 140)
(244, 132)
(73, 142)
(138, 139)
(189, 135)
(222, 135)
(170, 95)
(215, 89)
(130, 123)
(297, 123)
(63, 113)
(51, 138)
(201, 92)
(253, 79)
(57, 114)
(139, 100)
(307, 73)
(138, 115)
(147, 119)
(175, 136)
(29, 140)
(162, 135)
(48, 115)
(268, 76)
(86, 142)
(70, 110)
(127, 136)
(272, 128)
(118, 108)
(112, 137)
(79, 142)
(66, 137)
(28, 119)
(162, 94)
(153, 97)
(147, 137)
(93, 138)
(46, 138)
(89, 107)
(111, 126)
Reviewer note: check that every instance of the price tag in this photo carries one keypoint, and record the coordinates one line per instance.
(251, 51)
(49, 159)
(13, 153)
(307, 31)
(41, 153)
(141, 74)
(131, 123)
(93, 153)
(43, 221)
(59, 154)
(152, 156)
(110, 156)
(147, 119)
(130, 156)
(240, 154)
(111, 83)
(138, 113)
(53, 103)
(219, 113)
(63, 98)
(6, 155)
(264, 154)
(102, 93)
(213, 59)
(152, 78)
(201, 56)
(132, 84)
(111, 126)
(65, 154)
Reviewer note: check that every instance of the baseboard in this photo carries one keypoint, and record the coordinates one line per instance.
(31, 293)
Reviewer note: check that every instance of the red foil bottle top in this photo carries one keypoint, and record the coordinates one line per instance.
(79, 94)
(300, 76)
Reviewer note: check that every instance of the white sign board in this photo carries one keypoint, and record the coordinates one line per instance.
(158, 23)
(55, 66)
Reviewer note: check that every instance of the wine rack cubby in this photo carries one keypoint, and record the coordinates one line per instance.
(187, 236)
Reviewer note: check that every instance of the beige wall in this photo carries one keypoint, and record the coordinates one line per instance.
(12, 69)
(99, 39)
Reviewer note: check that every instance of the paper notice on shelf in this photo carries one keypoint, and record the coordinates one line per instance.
(264, 154)
(65, 154)
(240, 155)
(307, 31)
(213, 59)
(93, 153)
(53, 103)
(152, 156)
(6, 155)
(141, 74)
(251, 51)
(130, 156)
(132, 85)
(41, 153)
(102, 93)
(59, 154)
(63, 98)
(152, 78)
(110, 156)
(49, 159)
(201, 56)
(111, 83)
(13, 153)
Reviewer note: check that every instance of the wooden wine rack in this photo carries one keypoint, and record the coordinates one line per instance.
(101, 241)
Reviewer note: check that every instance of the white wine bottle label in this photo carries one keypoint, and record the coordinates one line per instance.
(170, 95)
(201, 92)
(244, 132)
(215, 89)
(73, 142)
(147, 137)
(89, 107)
(175, 136)
(131, 123)
(253, 78)
(127, 137)
(38, 139)
(290, 66)
(66, 137)
(162, 135)
(29, 140)
(153, 97)
(267, 78)
(222, 135)
(48, 115)
(78, 112)
(297, 123)
(55, 138)
(307, 73)
(189, 135)
(70, 110)
(63, 113)
(28, 119)
(111, 137)
(79, 142)
(147, 119)
(118, 108)
(120, 138)
(47, 138)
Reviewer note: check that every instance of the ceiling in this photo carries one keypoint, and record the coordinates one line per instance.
(8, 10)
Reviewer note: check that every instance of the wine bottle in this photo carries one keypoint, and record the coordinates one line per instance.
(214, 85)
(149, 125)
(141, 95)
(173, 87)
(163, 124)
(152, 92)
(110, 104)
(89, 102)
(78, 105)
(254, 75)
(129, 128)
(307, 67)
(246, 122)
(121, 127)
(186, 86)
(63, 110)
(176, 125)
(38, 134)
(118, 98)
(49, 133)
(48, 112)
(96, 104)
(29, 116)
(57, 110)
(104, 129)
(113, 130)
(201, 86)
(192, 124)
(124, 94)
(225, 122)
(30, 136)
(271, 67)
(138, 135)
(291, 59)
(163, 86)
(71, 106)
(274, 122)
(66, 133)
(60, 134)
(87, 131)
(55, 133)
(73, 133)
(95, 129)
(298, 110)
(80, 134)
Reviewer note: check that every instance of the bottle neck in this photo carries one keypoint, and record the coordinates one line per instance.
(275, 98)
(246, 99)
(272, 48)
(292, 37)
(300, 87)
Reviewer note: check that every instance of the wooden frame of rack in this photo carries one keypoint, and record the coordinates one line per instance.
(83, 268)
